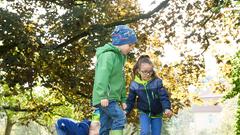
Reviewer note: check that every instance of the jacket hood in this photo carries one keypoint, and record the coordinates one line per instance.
(106, 48)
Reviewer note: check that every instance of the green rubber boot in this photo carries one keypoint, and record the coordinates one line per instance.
(116, 132)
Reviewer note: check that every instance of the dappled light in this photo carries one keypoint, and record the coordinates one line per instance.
(47, 60)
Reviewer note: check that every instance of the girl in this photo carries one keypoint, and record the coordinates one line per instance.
(152, 98)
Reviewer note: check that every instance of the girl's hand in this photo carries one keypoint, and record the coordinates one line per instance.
(104, 102)
(168, 113)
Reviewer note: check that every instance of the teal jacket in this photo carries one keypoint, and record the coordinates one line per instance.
(109, 81)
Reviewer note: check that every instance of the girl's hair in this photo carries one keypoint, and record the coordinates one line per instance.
(142, 59)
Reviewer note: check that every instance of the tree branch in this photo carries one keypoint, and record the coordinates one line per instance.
(206, 45)
(94, 28)
(99, 27)
(5, 48)
(42, 108)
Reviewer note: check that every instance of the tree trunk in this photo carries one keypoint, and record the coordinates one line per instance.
(9, 126)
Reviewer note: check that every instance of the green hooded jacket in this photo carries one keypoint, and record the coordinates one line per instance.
(109, 81)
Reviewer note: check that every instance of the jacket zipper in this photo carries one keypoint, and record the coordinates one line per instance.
(153, 95)
(149, 104)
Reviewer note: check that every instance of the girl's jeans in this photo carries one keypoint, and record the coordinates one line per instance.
(112, 117)
(150, 126)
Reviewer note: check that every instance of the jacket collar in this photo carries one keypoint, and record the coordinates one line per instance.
(138, 80)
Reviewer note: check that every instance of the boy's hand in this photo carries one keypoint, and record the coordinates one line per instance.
(124, 106)
(104, 102)
(168, 113)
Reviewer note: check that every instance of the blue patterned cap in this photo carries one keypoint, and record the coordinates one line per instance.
(122, 34)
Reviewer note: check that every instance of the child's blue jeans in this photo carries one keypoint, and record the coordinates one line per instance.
(112, 117)
(150, 126)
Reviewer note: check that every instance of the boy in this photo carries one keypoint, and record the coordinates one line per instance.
(109, 83)
(66, 126)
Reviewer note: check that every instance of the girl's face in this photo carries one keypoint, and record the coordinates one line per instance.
(145, 71)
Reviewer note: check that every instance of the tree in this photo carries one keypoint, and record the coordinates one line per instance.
(236, 89)
(54, 49)
(228, 118)
(54, 52)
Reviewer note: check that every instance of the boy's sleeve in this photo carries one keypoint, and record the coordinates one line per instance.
(102, 74)
(164, 97)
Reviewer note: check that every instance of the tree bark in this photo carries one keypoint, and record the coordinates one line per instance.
(9, 126)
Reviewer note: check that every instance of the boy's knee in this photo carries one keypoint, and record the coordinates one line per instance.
(118, 124)
(145, 131)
